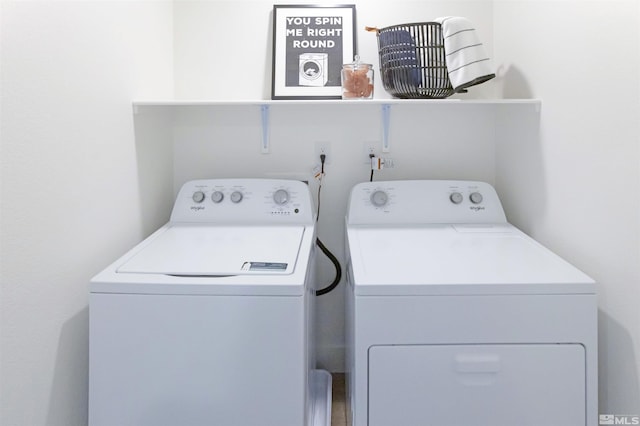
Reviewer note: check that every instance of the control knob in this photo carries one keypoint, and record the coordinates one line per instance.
(475, 197)
(456, 197)
(217, 196)
(379, 198)
(236, 197)
(198, 196)
(281, 197)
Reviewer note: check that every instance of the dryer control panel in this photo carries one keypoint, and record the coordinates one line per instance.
(424, 202)
(244, 201)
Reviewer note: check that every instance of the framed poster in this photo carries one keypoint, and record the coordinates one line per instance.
(310, 44)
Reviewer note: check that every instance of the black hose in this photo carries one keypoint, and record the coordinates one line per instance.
(336, 264)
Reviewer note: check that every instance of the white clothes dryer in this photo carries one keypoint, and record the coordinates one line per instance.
(455, 317)
(209, 320)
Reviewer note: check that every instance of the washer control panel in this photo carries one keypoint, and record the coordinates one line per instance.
(424, 201)
(243, 200)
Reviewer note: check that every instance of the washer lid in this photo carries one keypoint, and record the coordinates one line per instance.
(458, 259)
(214, 251)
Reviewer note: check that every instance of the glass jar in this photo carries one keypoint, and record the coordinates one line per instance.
(357, 80)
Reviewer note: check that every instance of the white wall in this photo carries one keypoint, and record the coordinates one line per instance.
(83, 178)
(576, 188)
(70, 195)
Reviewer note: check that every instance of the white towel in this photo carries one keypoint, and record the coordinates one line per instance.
(467, 61)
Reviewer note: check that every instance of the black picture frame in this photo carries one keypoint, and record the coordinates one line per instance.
(310, 45)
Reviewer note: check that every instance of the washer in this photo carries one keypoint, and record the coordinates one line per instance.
(313, 69)
(208, 320)
(455, 317)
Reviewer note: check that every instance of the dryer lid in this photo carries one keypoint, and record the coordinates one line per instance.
(458, 259)
(214, 251)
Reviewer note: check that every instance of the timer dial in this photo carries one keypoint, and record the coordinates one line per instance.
(379, 198)
(281, 197)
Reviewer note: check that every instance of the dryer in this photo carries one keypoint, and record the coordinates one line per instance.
(456, 317)
(208, 321)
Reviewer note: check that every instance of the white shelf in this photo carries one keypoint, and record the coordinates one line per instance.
(230, 103)
(385, 106)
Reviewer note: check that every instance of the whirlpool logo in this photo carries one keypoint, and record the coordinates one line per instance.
(616, 419)
(476, 208)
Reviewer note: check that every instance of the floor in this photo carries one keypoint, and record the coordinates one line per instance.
(338, 406)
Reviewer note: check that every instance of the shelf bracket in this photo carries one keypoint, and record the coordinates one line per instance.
(264, 148)
(386, 117)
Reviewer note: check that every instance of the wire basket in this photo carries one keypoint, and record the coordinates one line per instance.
(412, 61)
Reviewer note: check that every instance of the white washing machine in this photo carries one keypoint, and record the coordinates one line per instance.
(208, 320)
(455, 317)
